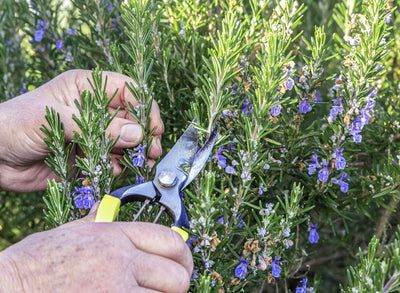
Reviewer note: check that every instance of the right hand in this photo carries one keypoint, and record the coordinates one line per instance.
(83, 256)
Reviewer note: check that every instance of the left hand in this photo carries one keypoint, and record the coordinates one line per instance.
(22, 149)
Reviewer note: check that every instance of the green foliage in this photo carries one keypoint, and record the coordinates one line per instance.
(305, 94)
(21, 215)
(96, 146)
(376, 272)
(57, 207)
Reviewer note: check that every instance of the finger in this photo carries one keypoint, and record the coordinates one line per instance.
(150, 163)
(155, 120)
(85, 220)
(116, 83)
(20, 178)
(130, 133)
(155, 148)
(165, 276)
(93, 211)
(117, 167)
(159, 240)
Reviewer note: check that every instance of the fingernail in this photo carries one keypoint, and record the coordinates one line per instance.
(131, 133)
(158, 142)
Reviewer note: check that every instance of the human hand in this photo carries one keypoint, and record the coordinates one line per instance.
(22, 149)
(83, 256)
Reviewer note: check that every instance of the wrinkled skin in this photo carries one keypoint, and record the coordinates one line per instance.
(83, 256)
(22, 150)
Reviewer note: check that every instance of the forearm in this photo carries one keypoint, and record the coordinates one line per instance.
(10, 280)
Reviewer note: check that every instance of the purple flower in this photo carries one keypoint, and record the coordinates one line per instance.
(138, 158)
(69, 31)
(221, 159)
(39, 35)
(303, 288)
(227, 113)
(340, 160)
(59, 45)
(109, 7)
(336, 87)
(221, 220)
(373, 93)
(338, 102)
(356, 126)
(323, 174)
(230, 170)
(289, 83)
(314, 165)
(247, 107)
(85, 198)
(313, 237)
(370, 101)
(233, 88)
(304, 106)
(139, 180)
(317, 98)
(276, 269)
(357, 138)
(388, 18)
(365, 116)
(40, 24)
(335, 111)
(286, 232)
(355, 129)
(240, 225)
(378, 67)
(275, 111)
(241, 269)
(190, 242)
(8, 43)
(344, 186)
(23, 91)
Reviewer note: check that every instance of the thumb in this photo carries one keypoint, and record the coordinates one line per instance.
(91, 216)
(85, 220)
(92, 213)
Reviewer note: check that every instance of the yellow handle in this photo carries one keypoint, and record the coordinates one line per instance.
(183, 233)
(108, 209)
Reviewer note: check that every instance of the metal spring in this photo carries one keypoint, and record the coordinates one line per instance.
(145, 203)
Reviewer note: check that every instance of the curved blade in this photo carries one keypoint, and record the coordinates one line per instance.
(182, 154)
(201, 157)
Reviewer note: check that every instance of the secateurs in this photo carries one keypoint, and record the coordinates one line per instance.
(175, 171)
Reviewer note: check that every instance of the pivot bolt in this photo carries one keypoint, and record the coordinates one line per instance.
(167, 178)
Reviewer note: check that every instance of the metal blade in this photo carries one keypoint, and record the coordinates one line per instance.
(182, 153)
(201, 157)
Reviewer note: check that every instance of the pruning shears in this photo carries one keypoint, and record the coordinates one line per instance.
(174, 173)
